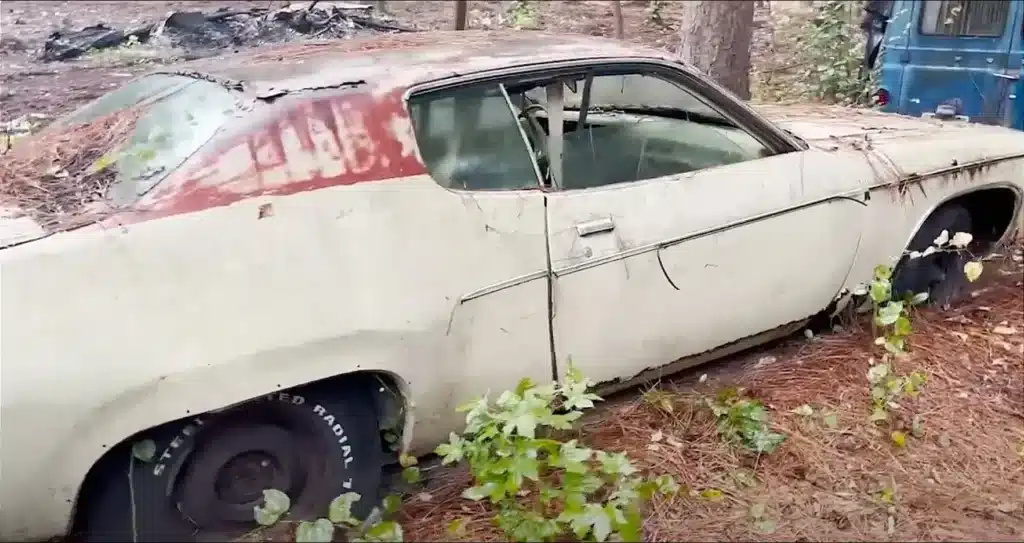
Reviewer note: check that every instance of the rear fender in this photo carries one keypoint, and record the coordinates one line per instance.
(215, 387)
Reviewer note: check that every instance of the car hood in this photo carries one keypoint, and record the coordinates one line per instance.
(818, 124)
(914, 145)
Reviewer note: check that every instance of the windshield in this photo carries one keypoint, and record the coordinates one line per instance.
(176, 116)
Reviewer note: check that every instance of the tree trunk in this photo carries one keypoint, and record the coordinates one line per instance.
(620, 32)
(715, 37)
(460, 14)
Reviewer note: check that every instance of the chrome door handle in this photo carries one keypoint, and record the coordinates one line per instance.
(597, 226)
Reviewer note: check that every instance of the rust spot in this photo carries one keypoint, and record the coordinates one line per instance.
(266, 210)
(316, 144)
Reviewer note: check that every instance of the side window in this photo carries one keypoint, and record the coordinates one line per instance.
(470, 139)
(640, 126)
(966, 18)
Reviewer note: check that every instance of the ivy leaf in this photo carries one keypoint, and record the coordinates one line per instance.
(973, 270)
(919, 298)
(411, 475)
(392, 502)
(902, 326)
(942, 239)
(275, 504)
(880, 291)
(321, 531)
(340, 509)
(890, 313)
(877, 373)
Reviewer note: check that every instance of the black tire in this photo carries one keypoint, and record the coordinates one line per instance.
(209, 472)
(940, 274)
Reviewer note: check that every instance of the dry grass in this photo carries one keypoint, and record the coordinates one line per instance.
(963, 479)
(54, 175)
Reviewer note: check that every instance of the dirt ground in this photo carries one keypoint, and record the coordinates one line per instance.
(962, 480)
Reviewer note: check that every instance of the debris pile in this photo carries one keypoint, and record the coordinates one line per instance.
(54, 175)
(200, 34)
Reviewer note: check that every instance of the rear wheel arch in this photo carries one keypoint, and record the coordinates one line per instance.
(385, 391)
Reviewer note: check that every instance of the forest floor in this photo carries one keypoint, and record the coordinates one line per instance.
(962, 479)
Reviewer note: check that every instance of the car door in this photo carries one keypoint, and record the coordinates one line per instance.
(670, 237)
(958, 53)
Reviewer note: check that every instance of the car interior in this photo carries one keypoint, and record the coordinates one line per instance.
(615, 128)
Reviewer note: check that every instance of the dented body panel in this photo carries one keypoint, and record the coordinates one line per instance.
(308, 241)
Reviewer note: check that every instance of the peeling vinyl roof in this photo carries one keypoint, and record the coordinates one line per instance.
(405, 59)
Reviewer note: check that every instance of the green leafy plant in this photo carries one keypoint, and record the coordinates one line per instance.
(744, 421)
(818, 57)
(892, 325)
(834, 49)
(543, 488)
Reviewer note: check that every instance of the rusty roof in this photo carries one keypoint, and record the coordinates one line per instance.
(406, 59)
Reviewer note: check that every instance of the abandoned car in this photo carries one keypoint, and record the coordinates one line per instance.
(299, 250)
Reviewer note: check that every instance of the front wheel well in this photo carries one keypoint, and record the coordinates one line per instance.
(992, 213)
(390, 399)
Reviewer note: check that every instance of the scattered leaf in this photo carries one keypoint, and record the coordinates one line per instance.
(1004, 330)
(711, 494)
(831, 420)
(457, 527)
(804, 410)
(765, 526)
(899, 439)
(757, 511)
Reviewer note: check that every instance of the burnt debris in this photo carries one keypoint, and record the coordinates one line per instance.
(201, 34)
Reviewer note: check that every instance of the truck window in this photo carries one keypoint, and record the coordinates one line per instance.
(964, 18)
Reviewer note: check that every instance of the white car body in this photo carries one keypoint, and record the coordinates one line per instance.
(127, 324)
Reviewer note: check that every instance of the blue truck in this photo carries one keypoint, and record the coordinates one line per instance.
(948, 58)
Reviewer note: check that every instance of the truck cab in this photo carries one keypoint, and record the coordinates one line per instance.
(948, 58)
